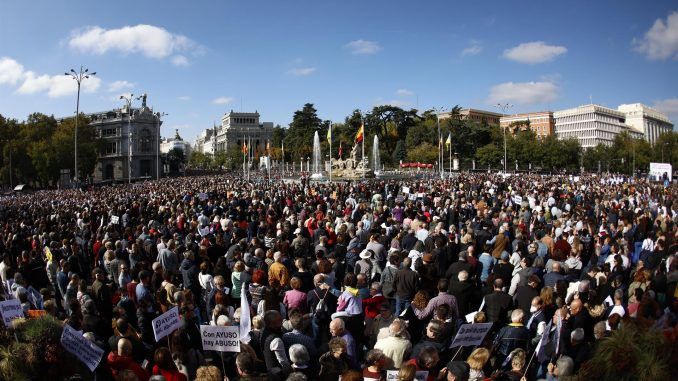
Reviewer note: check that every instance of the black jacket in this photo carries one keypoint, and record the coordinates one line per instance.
(497, 305)
(406, 282)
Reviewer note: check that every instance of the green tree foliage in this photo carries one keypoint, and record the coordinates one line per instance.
(423, 153)
(175, 158)
(666, 149)
(41, 147)
(399, 154)
(199, 160)
(299, 137)
(489, 154)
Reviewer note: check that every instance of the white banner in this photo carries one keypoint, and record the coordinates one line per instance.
(202, 196)
(392, 375)
(221, 339)
(471, 335)
(517, 199)
(406, 190)
(85, 350)
(11, 309)
(166, 323)
(115, 219)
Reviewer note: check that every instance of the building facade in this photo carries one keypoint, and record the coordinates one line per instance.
(646, 120)
(176, 142)
(234, 128)
(131, 143)
(591, 125)
(480, 116)
(541, 123)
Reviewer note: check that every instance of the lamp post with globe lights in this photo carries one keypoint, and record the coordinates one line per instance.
(78, 77)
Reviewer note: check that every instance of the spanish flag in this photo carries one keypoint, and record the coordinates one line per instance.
(449, 140)
(244, 148)
(359, 135)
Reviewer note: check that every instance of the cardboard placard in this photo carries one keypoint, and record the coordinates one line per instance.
(10, 310)
(392, 375)
(471, 335)
(166, 323)
(220, 339)
(74, 342)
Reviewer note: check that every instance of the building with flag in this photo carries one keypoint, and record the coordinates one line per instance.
(234, 127)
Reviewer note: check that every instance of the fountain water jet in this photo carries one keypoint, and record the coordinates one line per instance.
(376, 160)
(317, 158)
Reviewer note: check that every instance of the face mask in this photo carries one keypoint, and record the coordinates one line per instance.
(533, 309)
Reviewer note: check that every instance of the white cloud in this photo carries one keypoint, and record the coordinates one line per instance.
(119, 85)
(472, 50)
(11, 72)
(404, 93)
(222, 100)
(525, 93)
(149, 40)
(57, 85)
(184, 98)
(534, 52)
(180, 60)
(302, 71)
(661, 41)
(392, 102)
(363, 47)
(668, 106)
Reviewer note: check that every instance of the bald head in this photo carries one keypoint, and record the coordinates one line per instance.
(124, 347)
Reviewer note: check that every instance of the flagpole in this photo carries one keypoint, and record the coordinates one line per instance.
(330, 151)
(249, 156)
(283, 158)
(450, 137)
(363, 157)
(244, 150)
(268, 145)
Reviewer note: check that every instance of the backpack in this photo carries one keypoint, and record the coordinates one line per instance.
(387, 284)
(321, 311)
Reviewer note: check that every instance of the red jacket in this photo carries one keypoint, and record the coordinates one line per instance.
(372, 305)
(170, 375)
(120, 363)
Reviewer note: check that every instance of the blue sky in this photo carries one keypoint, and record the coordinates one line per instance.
(197, 60)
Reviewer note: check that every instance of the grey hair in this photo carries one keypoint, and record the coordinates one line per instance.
(299, 354)
(565, 366)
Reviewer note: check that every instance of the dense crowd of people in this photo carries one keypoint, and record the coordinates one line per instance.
(348, 280)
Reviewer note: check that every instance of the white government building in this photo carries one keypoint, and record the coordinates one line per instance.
(646, 120)
(592, 125)
(234, 127)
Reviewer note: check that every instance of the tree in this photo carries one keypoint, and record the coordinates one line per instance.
(299, 137)
(424, 153)
(199, 160)
(399, 154)
(176, 158)
(489, 154)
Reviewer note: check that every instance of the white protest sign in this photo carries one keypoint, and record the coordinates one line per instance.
(220, 339)
(166, 323)
(517, 199)
(85, 350)
(202, 196)
(115, 219)
(406, 190)
(392, 375)
(471, 334)
(412, 197)
(11, 309)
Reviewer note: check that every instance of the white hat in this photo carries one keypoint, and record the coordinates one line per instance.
(297, 231)
(366, 254)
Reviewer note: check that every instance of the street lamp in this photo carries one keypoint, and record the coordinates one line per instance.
(128, 100)
(157, 146)
(438, 111)
(79, 77)
(504, 107)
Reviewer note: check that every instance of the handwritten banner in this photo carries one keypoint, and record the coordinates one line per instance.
(221, 339)
(166, 323)
(74, 342)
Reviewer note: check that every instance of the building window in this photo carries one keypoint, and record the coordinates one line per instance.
(108, 132)
(145, 141)
(110, 148)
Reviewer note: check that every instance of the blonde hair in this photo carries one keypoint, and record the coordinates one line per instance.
(208, 373)
(477, 359)
(407, 372)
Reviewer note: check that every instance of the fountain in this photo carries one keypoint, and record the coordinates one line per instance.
(317, 157)
(375, 156)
